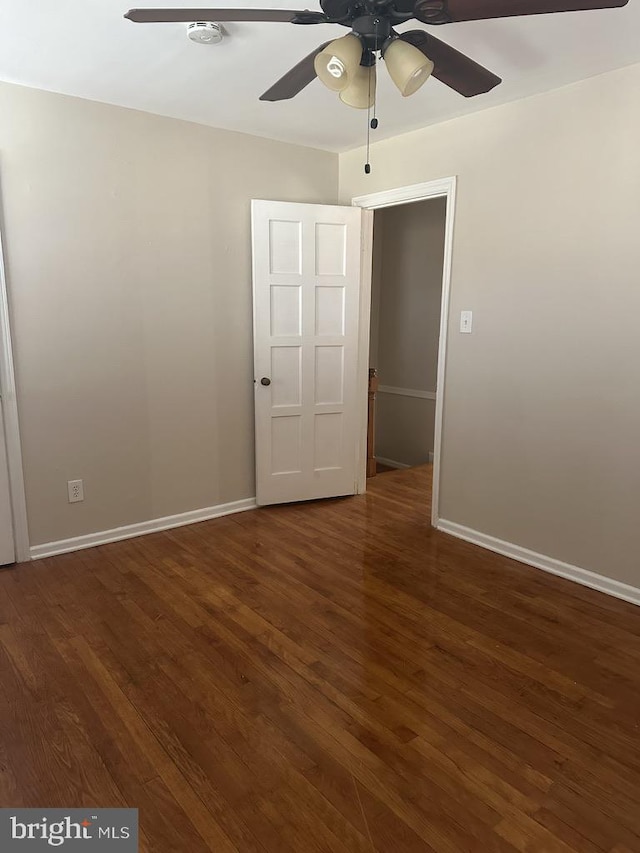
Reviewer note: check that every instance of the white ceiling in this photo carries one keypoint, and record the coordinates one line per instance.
(86, 48)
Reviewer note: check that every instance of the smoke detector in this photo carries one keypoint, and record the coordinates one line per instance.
(205, 32)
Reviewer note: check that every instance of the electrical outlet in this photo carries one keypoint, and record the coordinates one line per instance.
(76, 491)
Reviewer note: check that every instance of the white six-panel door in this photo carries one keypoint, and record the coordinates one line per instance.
(306, 295)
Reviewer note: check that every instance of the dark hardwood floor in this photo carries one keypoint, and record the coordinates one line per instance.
(334, 676)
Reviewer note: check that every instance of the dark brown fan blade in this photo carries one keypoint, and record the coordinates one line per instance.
(294, 80)
(451, 67)
(163, 16)
(446, 11)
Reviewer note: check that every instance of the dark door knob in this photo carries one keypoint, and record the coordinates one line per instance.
(265, 381)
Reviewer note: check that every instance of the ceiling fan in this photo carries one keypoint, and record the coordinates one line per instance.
(347, 65)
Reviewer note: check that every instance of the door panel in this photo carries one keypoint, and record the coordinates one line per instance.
(306, 289)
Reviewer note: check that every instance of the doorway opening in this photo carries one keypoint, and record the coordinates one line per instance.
(406, 297)
(408, 320)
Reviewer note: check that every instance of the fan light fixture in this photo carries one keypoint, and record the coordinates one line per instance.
(338, 63)
(339, 67)
(361, 92)
(408, 67)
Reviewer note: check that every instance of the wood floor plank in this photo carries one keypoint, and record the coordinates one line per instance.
(333, 676)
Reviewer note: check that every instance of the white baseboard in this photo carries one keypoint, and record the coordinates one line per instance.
(391, 463)
(400, 465)
(102, 537)
(540, 561)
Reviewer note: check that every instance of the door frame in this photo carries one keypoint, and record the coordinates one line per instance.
(441, 188)
(9, 412)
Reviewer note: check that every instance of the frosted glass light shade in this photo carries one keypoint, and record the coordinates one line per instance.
(361, 91)
(408, 67)
(337, 64)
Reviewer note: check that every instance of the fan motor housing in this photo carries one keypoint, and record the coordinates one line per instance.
(373, 30)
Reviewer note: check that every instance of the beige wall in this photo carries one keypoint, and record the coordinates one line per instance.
(127, 239)
(404, 429)
(542, 402)
(408, 247)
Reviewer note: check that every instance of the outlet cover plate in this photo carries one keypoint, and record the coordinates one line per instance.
(75, 489)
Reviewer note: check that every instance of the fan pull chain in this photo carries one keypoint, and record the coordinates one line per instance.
(367, 165)
(372, 123)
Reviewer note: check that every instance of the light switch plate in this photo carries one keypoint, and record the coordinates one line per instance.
(466, 322)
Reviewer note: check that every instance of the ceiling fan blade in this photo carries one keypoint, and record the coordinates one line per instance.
(164, 16)
(451, 67)
(295, 79)
(447, 11)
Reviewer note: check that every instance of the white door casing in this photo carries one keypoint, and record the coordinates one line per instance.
(306, 303)
(443, 187)
(14, 537)
(7, 547)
